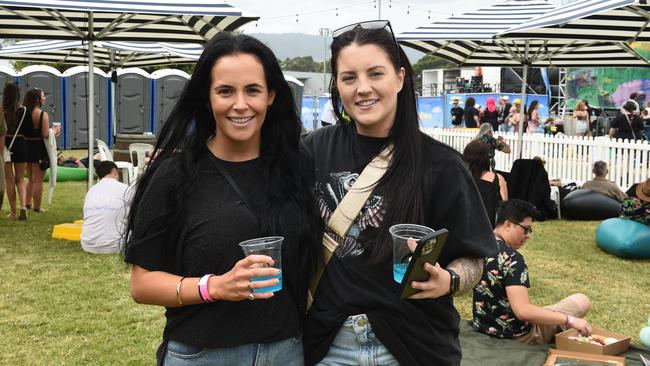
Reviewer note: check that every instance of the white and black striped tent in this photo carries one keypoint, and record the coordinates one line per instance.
(189, 21)
(186, 21)
(111, 54)
(471, 39)
(607, 20)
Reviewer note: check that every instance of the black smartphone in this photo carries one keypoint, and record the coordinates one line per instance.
(427, 251)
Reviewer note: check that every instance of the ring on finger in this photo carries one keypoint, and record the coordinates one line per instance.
(251, 296)
(249, 286)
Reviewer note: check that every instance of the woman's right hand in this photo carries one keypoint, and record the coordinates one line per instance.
(236, 284)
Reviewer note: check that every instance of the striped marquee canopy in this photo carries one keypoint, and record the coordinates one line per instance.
(190, 21)
(182, 21)
(606, 20)
(470, 40)
(106, 53)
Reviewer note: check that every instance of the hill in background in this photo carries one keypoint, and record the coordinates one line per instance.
(290, 45)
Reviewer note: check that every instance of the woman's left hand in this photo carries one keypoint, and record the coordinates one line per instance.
(438, 284)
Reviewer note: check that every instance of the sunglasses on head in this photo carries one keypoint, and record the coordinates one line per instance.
(368, 25)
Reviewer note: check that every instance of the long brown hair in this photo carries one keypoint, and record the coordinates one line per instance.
(10, 105)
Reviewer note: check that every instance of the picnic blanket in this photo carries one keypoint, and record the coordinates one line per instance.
(482, 350)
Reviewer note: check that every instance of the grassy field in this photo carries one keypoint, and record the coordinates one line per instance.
(60, 305)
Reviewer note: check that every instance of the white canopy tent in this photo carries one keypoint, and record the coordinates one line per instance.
(190, 21)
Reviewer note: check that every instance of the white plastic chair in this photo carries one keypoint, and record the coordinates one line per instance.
(140, 151)
(125, 166)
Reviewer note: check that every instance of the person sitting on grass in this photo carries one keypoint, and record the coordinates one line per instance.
(105, 208)
(501, 306)
(637, 208)
(601, 184)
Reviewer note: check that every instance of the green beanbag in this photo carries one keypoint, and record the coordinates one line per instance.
(67, 173)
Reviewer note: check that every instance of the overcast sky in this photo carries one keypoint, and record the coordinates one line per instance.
(279, 16)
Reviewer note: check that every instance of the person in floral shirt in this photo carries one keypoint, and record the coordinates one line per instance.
(502, 307)
(638, 208)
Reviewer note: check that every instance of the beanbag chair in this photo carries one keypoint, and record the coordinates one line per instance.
(583, 204)
(66, 174)
(624, 238)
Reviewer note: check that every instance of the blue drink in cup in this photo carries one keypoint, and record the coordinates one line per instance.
(270, 246)
(405, 239)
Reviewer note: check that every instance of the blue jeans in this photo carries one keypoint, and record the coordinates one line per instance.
(287, 352)
(356, 344)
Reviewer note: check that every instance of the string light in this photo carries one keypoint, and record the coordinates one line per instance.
(409, 7)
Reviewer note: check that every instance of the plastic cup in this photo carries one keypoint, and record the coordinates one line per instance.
(405, 239)
(270, 246)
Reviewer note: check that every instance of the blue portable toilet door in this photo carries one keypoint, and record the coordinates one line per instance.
(132, 103)
(77, 107)
(168, 91)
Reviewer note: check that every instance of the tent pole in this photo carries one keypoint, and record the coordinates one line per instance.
(522, 106)
(91, 100)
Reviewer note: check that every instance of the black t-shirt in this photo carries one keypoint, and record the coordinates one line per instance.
(629, 127)
(206, 240)
(457, 112)
(470, 112)
(416, 332)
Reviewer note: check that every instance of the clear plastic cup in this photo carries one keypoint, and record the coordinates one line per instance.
(405, 239)
(270, 246)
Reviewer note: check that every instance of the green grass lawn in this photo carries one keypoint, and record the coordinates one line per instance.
(60, 305)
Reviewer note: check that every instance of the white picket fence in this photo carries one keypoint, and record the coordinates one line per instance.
(569, 158)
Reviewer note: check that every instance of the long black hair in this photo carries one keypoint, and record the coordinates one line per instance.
(191, 124)
(402, 183)
(476, 157)
(10, 104)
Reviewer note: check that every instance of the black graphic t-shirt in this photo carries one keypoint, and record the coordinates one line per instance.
(416, 332)
(492, 312)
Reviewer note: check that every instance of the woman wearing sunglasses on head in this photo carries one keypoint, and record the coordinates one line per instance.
(357, 316)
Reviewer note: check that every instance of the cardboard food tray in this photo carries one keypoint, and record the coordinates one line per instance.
(561, 357)
(563, 342)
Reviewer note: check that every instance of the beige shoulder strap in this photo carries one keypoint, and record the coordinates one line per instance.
(347, 210)
(349, 207)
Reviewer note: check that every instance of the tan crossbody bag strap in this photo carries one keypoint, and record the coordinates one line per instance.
(348, 209)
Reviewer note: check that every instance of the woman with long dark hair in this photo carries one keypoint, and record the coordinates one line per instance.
(15, 169)
(229, 168)
(357, 316)
(532, 116)
(491, 185)
(39, 129)
(471, 113)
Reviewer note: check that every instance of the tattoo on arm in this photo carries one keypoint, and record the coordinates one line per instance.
(470, 270)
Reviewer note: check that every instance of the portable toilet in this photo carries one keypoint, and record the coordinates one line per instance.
(75, 125)
(7, 74)
(297, 88)
(168, 84)
(132, 102)
(50, 81)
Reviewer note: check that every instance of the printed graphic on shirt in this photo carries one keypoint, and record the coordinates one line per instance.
(329, 194)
